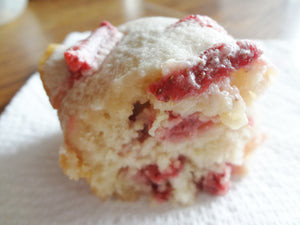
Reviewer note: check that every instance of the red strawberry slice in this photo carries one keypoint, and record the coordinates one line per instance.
(155, 176)
(203, 21)
(159, 181)
(183, 128)
(87, 56)
(162, 192)
(216, 183)
(215, 64)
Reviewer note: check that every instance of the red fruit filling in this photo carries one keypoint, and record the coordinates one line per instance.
(183, 128)
(203, 21)
(161, 188)
(155, 176)
(215, 64)
(216, 183)
(143, 112)
(86, 57)
(161, 192)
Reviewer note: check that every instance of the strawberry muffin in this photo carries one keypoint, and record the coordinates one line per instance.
(158, 106)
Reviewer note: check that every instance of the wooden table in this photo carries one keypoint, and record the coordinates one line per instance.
(23, 40)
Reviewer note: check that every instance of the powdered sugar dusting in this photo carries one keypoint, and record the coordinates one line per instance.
(203, 21)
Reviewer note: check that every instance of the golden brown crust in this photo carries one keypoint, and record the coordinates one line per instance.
(47, 54)
(72, 164)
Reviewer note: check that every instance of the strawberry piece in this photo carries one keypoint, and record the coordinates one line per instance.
(183, 128)
(143, 112)
(159, 181)
(155, 176)
(87, 56)
(214, 64)
(216, 183)
(152, 173)
(162, 192)
(203, 21)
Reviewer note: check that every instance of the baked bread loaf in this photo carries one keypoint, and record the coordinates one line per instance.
(157, 106)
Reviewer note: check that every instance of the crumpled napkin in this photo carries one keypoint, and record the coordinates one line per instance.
(33, 189)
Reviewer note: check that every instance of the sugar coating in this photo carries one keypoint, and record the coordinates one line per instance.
(113, 126)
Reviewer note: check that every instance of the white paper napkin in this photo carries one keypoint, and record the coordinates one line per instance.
(33, 189)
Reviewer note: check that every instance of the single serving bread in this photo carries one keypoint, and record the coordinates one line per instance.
(158, 106)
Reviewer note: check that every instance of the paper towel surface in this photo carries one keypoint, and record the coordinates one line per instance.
(33, 189)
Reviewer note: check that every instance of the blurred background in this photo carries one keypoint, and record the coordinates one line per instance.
(27, 27)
